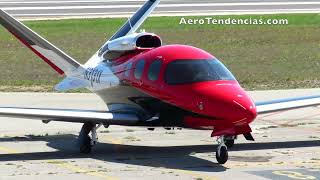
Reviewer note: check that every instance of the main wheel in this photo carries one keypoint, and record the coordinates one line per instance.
(84, 140)
(222, 154)
(85, 146)
(229, 143)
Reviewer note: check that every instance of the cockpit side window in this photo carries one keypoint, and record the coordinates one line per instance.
(139, 69)
(154, 70)
(191, 71)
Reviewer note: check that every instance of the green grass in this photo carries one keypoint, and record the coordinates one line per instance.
(260, 56)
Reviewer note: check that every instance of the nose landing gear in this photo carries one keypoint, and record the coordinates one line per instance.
(229, 141)
(222, 151)
(86, 143)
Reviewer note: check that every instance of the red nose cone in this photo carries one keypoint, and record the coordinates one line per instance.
(248, 110)
(225, 100)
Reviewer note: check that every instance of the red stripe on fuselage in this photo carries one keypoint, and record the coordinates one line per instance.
(56, 68)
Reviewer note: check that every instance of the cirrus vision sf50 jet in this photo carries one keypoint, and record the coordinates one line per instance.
(145, 83)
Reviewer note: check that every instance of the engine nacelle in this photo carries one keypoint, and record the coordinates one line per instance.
(131, 42)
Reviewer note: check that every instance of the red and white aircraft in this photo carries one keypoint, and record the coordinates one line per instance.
(146, 84)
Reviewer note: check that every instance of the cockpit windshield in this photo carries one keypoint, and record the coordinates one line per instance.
(191, 71)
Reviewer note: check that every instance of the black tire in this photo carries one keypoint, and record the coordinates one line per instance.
(85, 146)
(84, 140)
(223, 156)
(229, 143)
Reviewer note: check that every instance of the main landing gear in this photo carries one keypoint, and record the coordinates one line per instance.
(222, 150)
(85, 142)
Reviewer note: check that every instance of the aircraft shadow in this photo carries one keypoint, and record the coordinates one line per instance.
(172, 157)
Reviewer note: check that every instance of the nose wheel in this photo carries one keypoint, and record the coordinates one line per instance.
(222, 151)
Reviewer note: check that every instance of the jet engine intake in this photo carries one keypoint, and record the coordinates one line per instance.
(137, 41)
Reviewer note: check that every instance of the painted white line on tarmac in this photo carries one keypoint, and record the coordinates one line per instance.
(66, 2)
(162, 5)
(170, 13)
(93, 16)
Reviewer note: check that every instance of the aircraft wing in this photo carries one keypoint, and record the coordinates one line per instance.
(287, 104)
(81, 116)
(70, 115)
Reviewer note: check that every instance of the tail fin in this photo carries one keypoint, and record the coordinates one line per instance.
(133, 23)
(55, 57)
(131, 26)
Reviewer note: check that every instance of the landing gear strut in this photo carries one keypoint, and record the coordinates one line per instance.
(85, 142)
(222, 151)
(229, 141)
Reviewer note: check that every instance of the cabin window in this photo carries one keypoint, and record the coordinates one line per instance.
(197, 70)
(128, 69)
(139, 69)
(154, 70)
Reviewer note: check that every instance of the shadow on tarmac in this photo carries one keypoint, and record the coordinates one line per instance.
(172, 157)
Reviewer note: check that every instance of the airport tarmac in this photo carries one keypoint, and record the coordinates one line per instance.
(286, 146)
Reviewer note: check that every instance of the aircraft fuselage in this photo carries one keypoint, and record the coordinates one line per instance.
(147, 82)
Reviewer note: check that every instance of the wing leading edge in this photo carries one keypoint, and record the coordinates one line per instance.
(70, 115)
(287, 104)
